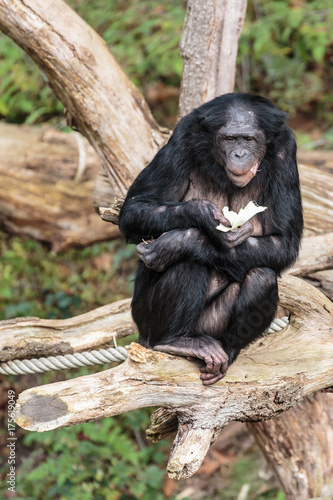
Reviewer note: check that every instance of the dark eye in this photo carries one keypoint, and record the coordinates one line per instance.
(229, 139)
(250, 139)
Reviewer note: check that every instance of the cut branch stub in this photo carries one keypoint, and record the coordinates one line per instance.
(272, 375)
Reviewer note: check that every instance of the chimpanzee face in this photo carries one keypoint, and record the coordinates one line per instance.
(240, 146)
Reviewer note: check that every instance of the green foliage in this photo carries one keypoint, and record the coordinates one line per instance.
(285, 53)
(284, 49)
(34, 282)
(93, 461)
(143, 35)
(245, 471)
(24, 96)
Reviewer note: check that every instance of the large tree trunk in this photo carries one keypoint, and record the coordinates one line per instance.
(298, 446)
(209, 48)
(46, 185)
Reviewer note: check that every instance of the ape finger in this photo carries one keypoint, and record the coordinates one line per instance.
(218, 215)
(238, 236)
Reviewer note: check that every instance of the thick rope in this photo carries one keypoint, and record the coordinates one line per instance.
(40, 365)
(68, 361)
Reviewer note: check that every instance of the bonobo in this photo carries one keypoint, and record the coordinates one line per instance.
(199, 292)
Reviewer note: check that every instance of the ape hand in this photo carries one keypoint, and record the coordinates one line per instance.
(206, 213)
(237, 236)
(209, 214)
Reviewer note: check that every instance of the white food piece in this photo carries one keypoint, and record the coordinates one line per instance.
(237, 220)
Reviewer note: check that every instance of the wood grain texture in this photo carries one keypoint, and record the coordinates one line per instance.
(46, 187)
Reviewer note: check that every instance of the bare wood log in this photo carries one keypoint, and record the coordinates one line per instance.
(46, 185)
(22, 338)
(209, 47)
(272, 375)
(321, 160)
(303, 466)
(317, 197)
(316, 255)
(105, 106)
(323, 280)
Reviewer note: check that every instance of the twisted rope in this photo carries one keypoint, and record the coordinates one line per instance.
(76, 360)
(40, 365)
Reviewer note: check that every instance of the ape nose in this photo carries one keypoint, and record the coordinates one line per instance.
(240, 153)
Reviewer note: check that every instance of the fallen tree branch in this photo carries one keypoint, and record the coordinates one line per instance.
(22, 338)
(273, 374)
(39, 160)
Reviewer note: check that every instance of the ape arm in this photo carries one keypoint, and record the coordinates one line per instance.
(275, 252)
(152, 205)
(276, 249)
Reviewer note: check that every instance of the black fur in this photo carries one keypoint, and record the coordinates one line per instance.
(173, 301)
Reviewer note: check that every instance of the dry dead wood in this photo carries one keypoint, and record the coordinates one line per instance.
(46, 186)
(22, 338)
(209, 47)
(272, 375)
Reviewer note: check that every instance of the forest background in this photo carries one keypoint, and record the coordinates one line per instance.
(285, 54)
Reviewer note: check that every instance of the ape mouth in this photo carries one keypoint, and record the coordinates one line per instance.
(252, 170)
(241, 178)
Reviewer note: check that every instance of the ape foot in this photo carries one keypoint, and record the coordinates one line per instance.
(201, 347)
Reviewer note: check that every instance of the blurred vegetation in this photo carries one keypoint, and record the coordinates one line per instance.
(94, 461)
(286, 54)
(34, 282)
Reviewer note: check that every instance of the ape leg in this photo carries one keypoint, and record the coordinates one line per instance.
(166, 308)
(253, 311)
(145, 282)
(240, 313)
